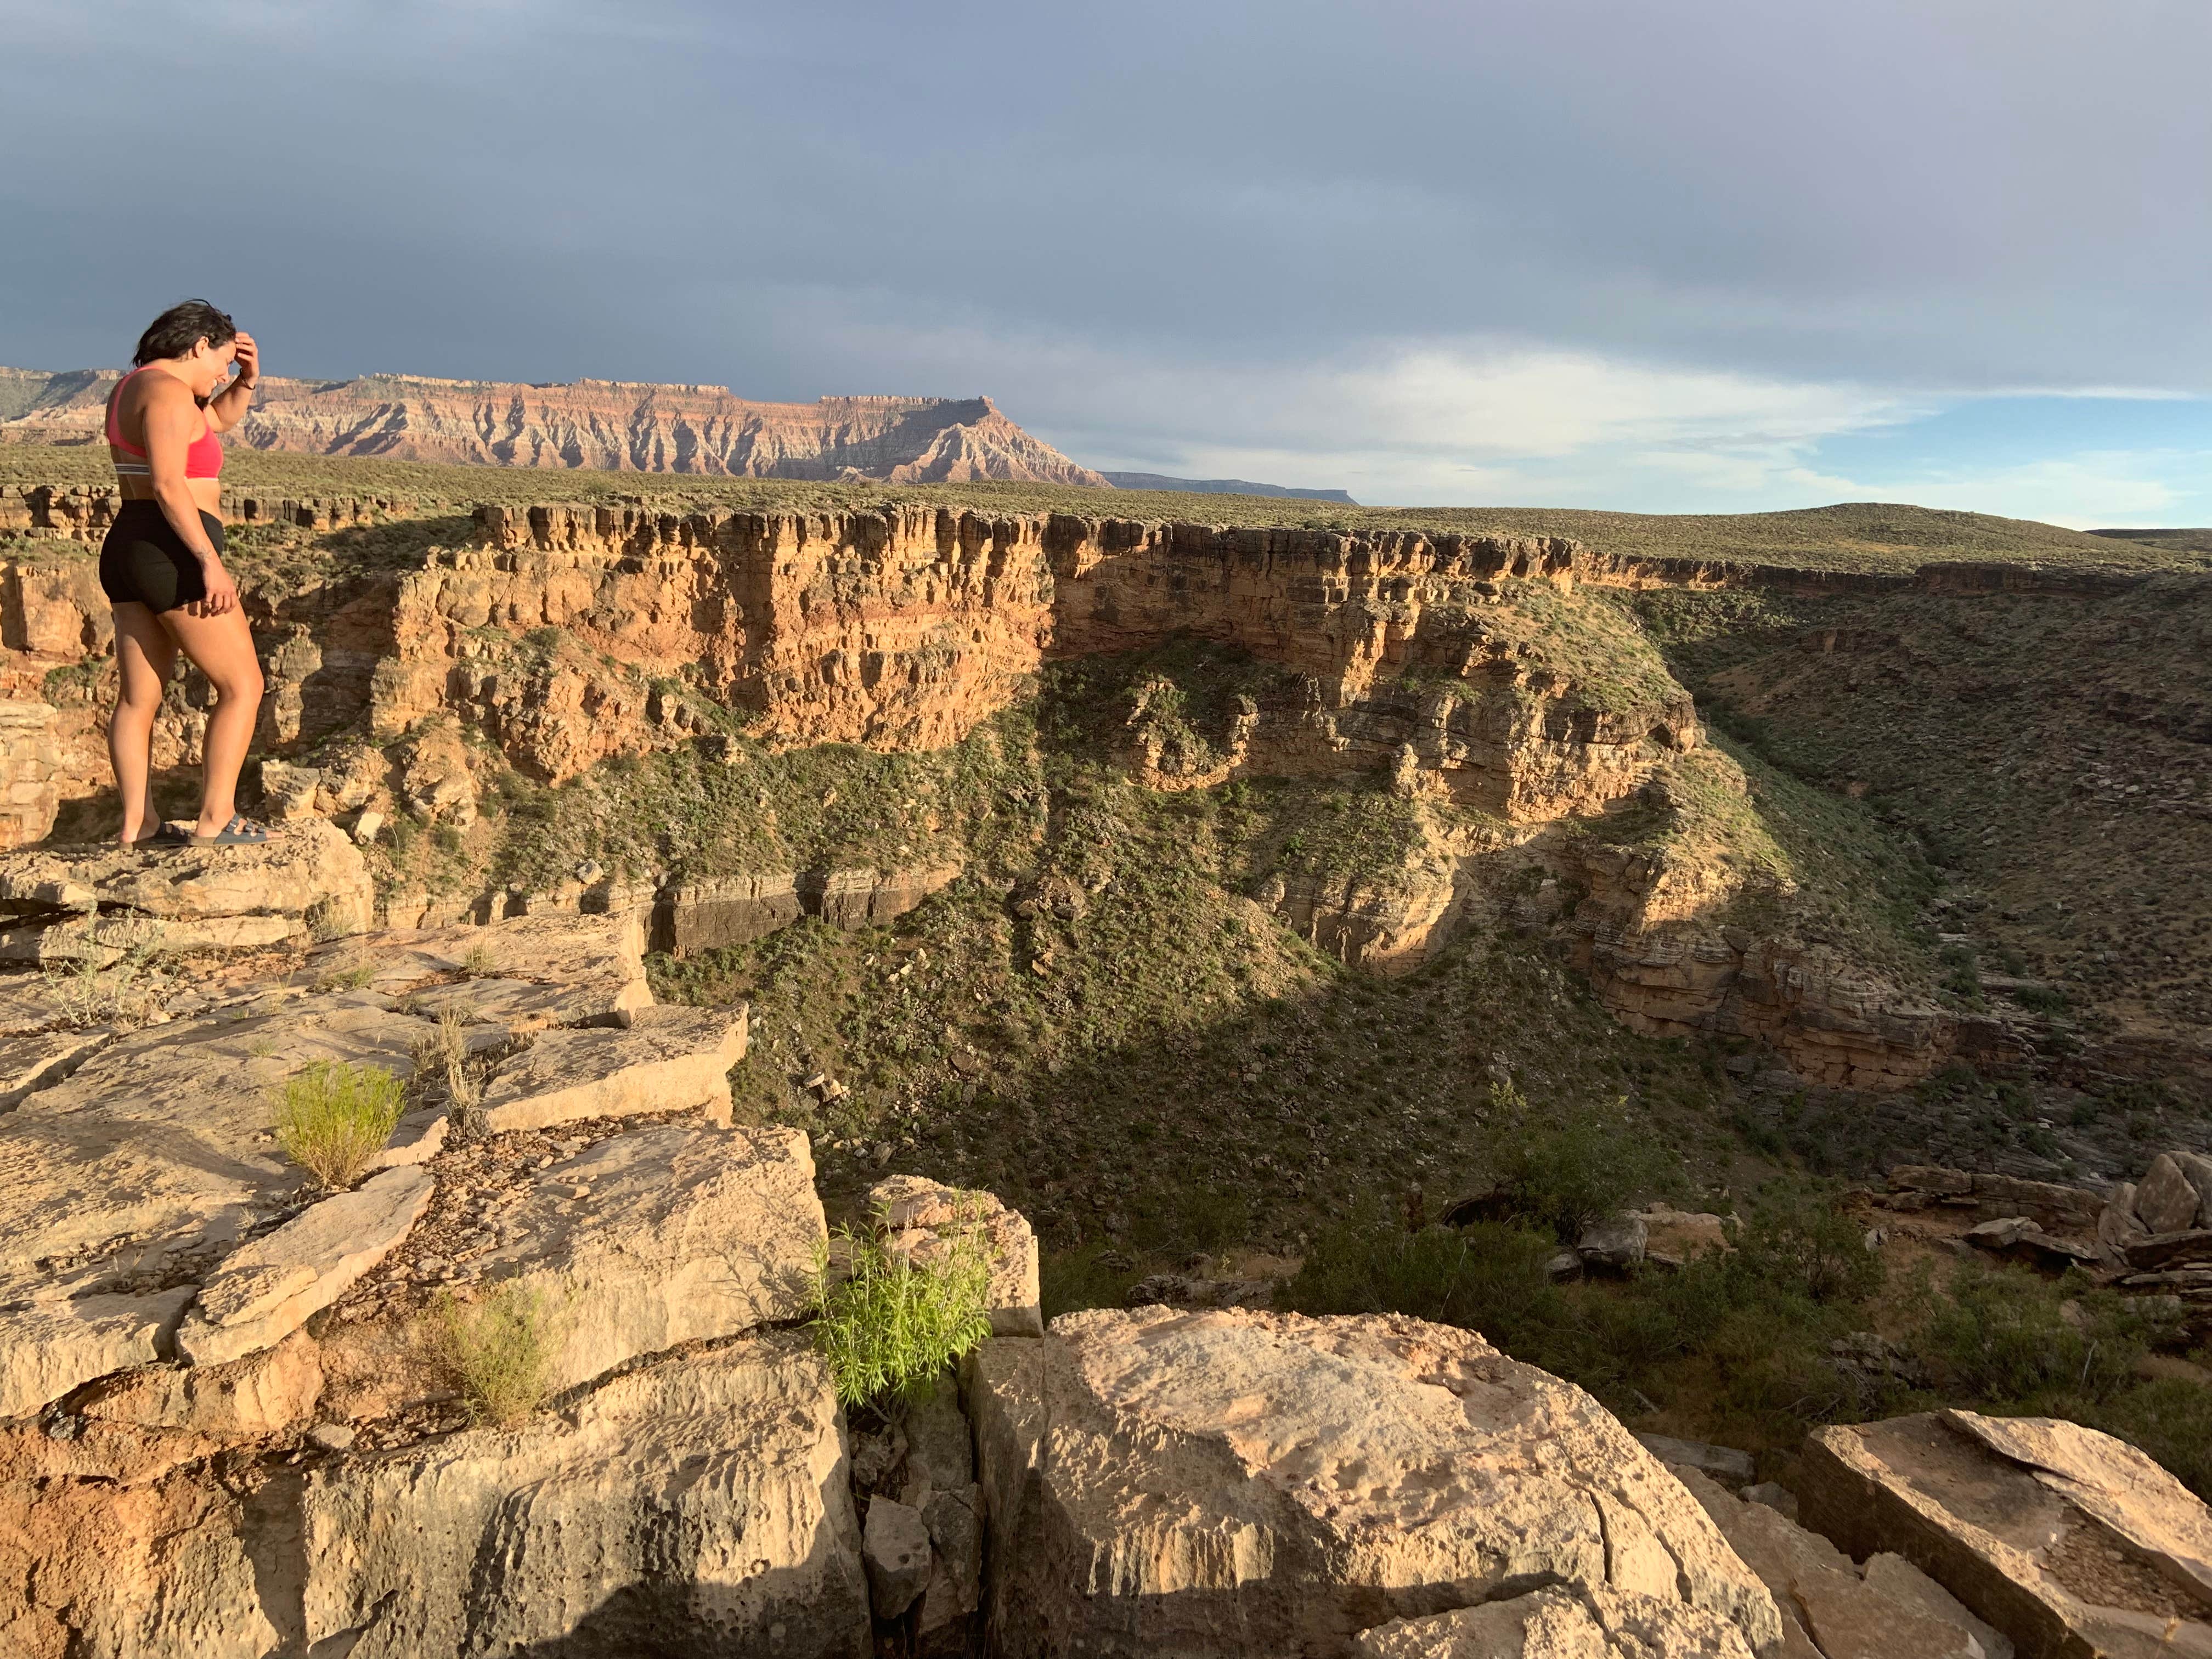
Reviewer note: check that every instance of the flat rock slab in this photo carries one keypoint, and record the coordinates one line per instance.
(525, 973)
(1244, 1483)
(661, 1235)
(2065, 1539)
(308, 870)
(32, 1060)
(265, 1291)
(697, 1505)
(925, 1216)
(1559, 1624)
(138, 1173)
(668, 1059)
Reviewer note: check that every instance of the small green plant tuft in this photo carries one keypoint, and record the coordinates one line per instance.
(894, 1319)
(333, 1117)
(499, 1352)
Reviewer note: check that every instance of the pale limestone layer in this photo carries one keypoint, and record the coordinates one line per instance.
(266, 1290)
(309, 873)
(680, 1232)
(699, 1504)
(1557, 1624)
(1159, 1479)
(525, 973)
(925, 1216)
(666, 1059)
(2065, 1539)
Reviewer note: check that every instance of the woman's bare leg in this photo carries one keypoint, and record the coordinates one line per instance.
(144, 655)
(222, 648)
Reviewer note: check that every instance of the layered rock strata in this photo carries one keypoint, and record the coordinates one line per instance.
(610, 425)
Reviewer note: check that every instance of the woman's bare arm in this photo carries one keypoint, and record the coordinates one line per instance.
(172, 421)
(229, 406)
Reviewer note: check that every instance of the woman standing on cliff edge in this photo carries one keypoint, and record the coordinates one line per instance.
(162, 566)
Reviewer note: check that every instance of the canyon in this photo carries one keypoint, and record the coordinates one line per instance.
(1495, 682)
(610, 425)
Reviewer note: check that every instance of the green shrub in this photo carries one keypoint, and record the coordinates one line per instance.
(1797, 1241)
(892, 1323)
(332, 1118)
(2009, 1338)
(1565, 1168)
(2168, 1417)
(499, 1352)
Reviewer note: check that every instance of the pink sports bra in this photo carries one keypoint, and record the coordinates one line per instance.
(202, 460)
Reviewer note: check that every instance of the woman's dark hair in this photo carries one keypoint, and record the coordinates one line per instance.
(181, 327)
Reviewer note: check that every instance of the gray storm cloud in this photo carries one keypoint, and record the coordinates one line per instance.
(1340, 232)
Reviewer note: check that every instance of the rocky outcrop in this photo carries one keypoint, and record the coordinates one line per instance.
(2067, 1541)
(1581, 1623)
(1249, 1483)
(698, 1504)
(30, 760)
(1831, 1606)
(307, 878)
(612, 425)
(922, 1217)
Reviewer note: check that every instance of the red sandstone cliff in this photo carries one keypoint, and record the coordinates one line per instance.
(612, 425)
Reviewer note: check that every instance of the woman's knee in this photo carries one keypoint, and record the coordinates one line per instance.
(242, 685)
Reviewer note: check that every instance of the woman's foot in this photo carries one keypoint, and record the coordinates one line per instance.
(161, 835)
(239, 832)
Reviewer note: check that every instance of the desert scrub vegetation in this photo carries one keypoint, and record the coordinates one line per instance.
(1563, 1169)
(889, 1320)
(498, 1351)
(1797, 1325)
(333, 1117)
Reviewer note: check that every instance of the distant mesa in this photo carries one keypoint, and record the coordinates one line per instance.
(2173, 541)
(608, 425)
(1221, 487)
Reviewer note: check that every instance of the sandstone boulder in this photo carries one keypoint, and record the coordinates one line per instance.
(697, 1505)
(895, 1548)
(1582, 1623)
(307, 875)
(2067, 1540)
(665, 1060)
(923, 1214)
(2166, 1202)
(1239, 1482)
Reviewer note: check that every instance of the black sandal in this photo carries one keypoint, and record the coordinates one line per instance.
(167, 834)
(239, 832)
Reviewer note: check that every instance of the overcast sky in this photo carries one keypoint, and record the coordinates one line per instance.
(1663, 255)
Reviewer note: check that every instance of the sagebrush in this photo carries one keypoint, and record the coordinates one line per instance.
(333, 1117)
(499, 1352)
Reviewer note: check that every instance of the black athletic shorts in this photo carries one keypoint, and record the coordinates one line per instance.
(144, 560)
